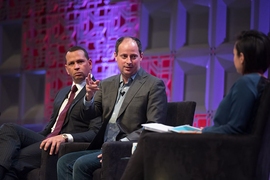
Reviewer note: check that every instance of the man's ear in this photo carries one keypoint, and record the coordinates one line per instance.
(115, 55)
(66, 69)
(90, 62)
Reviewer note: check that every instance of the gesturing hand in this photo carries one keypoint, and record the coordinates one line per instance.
(91, 87)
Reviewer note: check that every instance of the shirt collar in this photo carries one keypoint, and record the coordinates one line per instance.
(131, 78)
(79, 86)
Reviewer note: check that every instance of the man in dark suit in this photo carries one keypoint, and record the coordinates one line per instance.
(21, 148)
(124, 101)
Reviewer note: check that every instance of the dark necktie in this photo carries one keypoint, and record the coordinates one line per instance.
(63, 114)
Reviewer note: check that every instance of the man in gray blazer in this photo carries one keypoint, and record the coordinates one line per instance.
(124, 102)
(20, 147)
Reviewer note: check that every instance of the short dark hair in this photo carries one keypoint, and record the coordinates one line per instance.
(121, 39)
(75, 48)
(255, 47)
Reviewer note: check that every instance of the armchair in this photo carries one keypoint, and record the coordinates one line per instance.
(206, 156)
(115, 154)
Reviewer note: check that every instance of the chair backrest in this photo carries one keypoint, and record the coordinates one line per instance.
(262, 130)
(262, 112)
(180, 113)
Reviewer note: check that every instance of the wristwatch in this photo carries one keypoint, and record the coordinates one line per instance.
(65, 137)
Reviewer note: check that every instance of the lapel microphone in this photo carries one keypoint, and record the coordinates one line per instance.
(122, 93)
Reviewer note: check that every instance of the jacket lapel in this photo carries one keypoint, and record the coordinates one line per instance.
(61, 97)
(113, 87)
(134, 88)
(74, 102)
(78, 97)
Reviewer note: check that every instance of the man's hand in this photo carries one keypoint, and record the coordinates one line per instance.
(100, 157)
(91, 87)
(53, 143)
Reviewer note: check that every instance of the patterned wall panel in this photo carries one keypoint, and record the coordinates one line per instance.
(94, 25)
(49, 28)
(3, 10)
(34, 43)
(56, 78)
(12, 8)
(160, 66)
(61, 34)
(101, 26)
(202, 120)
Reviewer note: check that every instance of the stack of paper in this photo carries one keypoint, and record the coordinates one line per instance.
(184, 128)
(157, 127)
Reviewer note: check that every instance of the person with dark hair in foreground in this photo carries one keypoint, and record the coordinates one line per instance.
(234, 114)
(251, 59)
(21, 148)
(124, 101)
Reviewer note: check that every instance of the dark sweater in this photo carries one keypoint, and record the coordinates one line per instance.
(234, 113)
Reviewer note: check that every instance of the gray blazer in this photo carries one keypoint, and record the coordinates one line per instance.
(145, 102)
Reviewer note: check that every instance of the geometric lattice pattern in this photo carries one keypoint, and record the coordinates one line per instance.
(190, 40)
(160, 66)
(202, 120)
(51, 27)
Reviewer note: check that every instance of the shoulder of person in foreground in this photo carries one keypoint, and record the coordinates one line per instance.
(248, 82)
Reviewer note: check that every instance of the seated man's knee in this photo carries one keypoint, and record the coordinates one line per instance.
(8, 126)
(61, 163)
(79, 164)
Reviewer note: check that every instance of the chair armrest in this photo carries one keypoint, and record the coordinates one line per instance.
(48, 168)
(72, 147)
(115, 156)
(193, 156)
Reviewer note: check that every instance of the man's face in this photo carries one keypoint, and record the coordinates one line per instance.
(128, 58)
(77, 66)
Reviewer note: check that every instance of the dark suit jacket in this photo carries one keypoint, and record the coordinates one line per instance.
(145, 101)
(80, 126)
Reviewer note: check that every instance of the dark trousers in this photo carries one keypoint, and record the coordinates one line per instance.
(19, 150)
